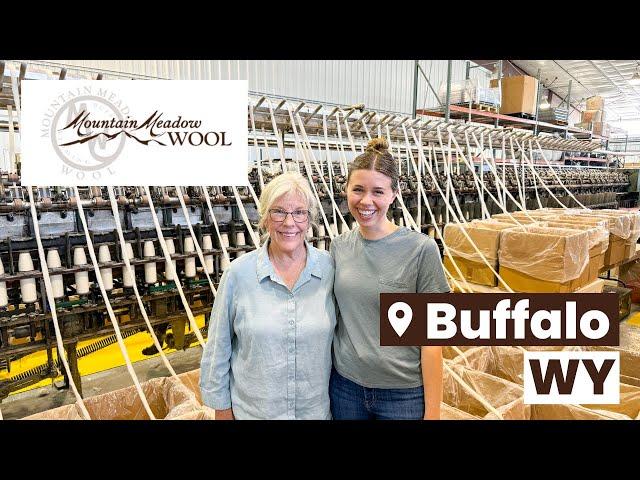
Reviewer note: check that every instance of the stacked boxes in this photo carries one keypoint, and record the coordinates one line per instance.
(594, 117)
(595, 103)
(547, 250)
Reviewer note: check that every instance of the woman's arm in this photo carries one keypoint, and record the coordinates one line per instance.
(431, 363)
(216, 357)
(431, 279)
(226, 414)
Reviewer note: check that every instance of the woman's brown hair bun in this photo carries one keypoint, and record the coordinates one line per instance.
(378, 144)
(377, 157)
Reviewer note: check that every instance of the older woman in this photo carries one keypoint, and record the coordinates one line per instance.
(268, 355)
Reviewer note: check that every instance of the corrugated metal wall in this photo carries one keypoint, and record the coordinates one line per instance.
(379, 84)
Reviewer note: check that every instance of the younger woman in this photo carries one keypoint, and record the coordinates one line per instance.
(369, 381)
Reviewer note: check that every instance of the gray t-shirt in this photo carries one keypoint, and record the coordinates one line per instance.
(403, 262)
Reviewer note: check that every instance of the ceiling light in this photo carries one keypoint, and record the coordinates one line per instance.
(544, 104)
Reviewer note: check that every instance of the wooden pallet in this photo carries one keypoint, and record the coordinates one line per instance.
(484, 107)
(528, 116)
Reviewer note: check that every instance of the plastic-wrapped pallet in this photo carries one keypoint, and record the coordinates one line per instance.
(469, 91)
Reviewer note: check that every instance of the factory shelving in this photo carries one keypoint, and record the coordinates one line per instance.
(483, 116)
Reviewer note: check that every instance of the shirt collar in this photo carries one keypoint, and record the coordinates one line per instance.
(265, 267)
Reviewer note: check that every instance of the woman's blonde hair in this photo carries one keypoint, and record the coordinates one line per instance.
(291, 182)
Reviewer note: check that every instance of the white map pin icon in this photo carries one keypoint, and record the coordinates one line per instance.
(400, 325)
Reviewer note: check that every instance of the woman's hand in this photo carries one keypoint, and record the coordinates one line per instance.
(431, 363)
(226, 414)
(432, 413)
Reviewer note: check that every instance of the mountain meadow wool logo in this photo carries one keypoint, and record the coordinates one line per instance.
(134, 132)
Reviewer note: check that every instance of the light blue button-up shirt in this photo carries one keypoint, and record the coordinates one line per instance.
(268, 354)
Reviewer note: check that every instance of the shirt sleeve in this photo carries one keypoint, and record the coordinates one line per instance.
(216, 356)
(332, 252)
(431, 277)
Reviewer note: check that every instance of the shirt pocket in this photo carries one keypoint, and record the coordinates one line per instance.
(394, 285)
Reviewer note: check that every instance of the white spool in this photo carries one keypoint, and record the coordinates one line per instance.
(127, 280)
(207, 244)
(334, 227)
(401, 222)
(4, 300)
(104, 256)
(82, 278)
(321, 233)
(240, 239)
(28, 285)
(225, 239)
(57, 284)
(189, 263)
(168, 273)
(224, 263)
(150, 273)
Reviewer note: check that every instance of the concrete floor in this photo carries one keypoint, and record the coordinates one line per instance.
(45, 398)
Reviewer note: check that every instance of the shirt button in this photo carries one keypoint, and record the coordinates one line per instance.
(291, 322)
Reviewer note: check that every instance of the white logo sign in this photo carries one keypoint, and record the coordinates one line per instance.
(150, 132)
(572, 377)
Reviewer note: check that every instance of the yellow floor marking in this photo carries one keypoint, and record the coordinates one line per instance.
(634, 319)
(104, 359)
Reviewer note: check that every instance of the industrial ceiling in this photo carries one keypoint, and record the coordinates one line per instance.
(606, 78)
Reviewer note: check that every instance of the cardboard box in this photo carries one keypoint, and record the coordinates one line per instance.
(519, 94)
(595, 265)
(600, 128)
(593, 116)
(476, 272)
(486, 236)
(616, 251)
(595, 103)
(598, 244)
(619, 224)
(543, 259)
(629, 249)
(521, 217)
(521, 282)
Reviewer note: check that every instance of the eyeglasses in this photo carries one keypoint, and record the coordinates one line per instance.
(299, 216)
